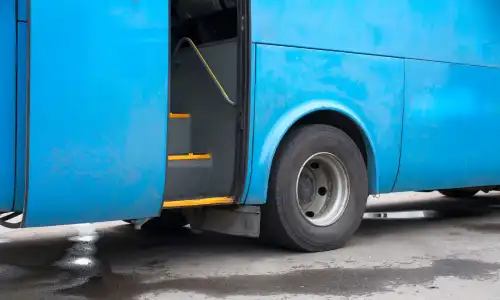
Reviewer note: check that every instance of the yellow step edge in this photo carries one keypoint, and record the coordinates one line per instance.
(189, 156)
(179, 116)
(198, 202)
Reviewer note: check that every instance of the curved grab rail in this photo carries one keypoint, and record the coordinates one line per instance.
(207, 67)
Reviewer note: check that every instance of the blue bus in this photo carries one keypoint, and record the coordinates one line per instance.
(270, 119)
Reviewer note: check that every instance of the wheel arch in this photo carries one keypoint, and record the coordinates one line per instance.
(324, 112)
(347, 124)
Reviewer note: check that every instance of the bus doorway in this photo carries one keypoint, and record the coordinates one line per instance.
(205, 102)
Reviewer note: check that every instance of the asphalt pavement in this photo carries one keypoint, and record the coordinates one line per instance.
(407, 248)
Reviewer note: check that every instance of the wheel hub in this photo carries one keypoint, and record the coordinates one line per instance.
(322, 189)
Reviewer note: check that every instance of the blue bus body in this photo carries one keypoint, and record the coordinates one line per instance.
(96, 104)
(7, 104)
(84, 98)
(419, 78)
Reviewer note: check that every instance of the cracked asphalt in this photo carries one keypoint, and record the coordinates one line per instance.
(407, 248)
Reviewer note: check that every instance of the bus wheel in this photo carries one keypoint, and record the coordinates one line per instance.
(317, 191)
(459, 193)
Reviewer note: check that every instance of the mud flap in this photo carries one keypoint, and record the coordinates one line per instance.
(96, 110)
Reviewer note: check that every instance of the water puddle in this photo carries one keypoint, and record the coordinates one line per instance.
(80, 257)
(79, 269)
(79, 265)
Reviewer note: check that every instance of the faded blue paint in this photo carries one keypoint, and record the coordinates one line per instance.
(22, 10)
(299, 48)
(98, 110)
(291, 82)
(7, 101)
(99, 102)
(451, 124)
(460, 31)
(22, 57)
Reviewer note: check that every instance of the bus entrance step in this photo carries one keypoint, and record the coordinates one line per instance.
(179, 133)
(188, 176)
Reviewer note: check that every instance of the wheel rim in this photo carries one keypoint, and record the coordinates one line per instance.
(322, 189)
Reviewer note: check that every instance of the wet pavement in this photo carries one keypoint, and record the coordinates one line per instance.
(407, 248)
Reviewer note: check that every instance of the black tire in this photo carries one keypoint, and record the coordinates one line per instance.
(282, 222)
(459, 193)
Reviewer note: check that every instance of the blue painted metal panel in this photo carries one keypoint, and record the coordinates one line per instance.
(292, 82)
(22, 10)
(463, 31)
(98, 110)
(451, 124)
(22, 58)
(7, 101)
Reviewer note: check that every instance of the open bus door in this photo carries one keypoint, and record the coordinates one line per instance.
(7, 102)
(96, 126)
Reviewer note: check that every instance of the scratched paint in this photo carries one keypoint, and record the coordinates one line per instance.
(292, 82)
(311, 57)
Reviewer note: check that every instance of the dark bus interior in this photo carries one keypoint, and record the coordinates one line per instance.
(204, 105)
